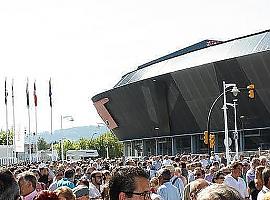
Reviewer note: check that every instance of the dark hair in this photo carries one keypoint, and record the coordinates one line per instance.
(183, 165)
(235, 164)
(266, 175)
(94, 173)
(84, 182)
(69, 173)
(123, 180)
(9, 188)
(217, 175)
(29, 176)
(165, 174)
(46, 195)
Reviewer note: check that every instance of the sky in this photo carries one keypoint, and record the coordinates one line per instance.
(86, 46)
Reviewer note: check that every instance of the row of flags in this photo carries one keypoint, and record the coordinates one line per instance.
(27, 93)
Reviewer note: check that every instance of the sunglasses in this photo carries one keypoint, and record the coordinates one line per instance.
(146, 195)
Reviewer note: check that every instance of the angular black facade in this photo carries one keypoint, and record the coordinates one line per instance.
(171, 98)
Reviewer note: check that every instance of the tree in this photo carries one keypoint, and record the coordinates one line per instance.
(67, 145)
(100, 144)
(3, 137)
(42, 144)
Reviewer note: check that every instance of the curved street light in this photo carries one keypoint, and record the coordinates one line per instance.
(226, 89)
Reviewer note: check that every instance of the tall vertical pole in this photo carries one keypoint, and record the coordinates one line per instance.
(235, 131)
(36, 135)
(6, 95)
(29, 127)
(13, 112)
(226, 125)
(51, 135)
(242, 133)
(156, 147)
(7, 132)
(50, 98)
(172, 146)
(107, 151)
(62, 145)
(29, 133)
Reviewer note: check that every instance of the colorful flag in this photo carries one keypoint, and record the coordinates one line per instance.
(35, 94)
(6, 92)
(27, 95)
(50, 92)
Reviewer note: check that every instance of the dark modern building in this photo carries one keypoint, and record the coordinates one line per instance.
(162, 106)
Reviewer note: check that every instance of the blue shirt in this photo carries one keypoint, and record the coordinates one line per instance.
(65, 182)
(169, 192)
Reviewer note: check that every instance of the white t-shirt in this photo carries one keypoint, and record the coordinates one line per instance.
(238, 184)
(262, 192)
(93, 191)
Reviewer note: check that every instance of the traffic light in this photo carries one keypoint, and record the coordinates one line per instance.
(205, 137)
(212, 141)
(251, 92)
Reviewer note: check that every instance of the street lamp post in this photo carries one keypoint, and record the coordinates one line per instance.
(242, 133)
(235, 92)
(235, 130)
(71, 119)
(157, 130)
(107, 146)
(235, 136)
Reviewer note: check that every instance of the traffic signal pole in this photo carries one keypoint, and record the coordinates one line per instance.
(209, 120)
(225, 90)
(235, 91)
(226, 125)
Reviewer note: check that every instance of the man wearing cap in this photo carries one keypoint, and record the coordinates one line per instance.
(95, 185)
(44, 174)
(166, 189)
(81, 192)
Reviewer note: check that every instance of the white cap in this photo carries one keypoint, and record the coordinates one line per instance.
(42, 165)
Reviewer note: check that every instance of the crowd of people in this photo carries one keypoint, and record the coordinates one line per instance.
(180, 177)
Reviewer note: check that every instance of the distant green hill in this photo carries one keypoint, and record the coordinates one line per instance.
(74, 133)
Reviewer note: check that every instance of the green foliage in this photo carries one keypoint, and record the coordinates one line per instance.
(3, 137)
(100, 144)
(42, 144)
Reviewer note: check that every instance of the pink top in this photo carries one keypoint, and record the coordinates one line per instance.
(30, 196)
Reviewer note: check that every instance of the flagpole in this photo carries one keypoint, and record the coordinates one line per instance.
(51, 135)
(36, 134)
(6, 95)
(13, 109)
(29, 127)
(35, 101)
(29, 133)
(50, 96)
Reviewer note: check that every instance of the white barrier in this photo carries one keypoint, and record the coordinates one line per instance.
(8, 161)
